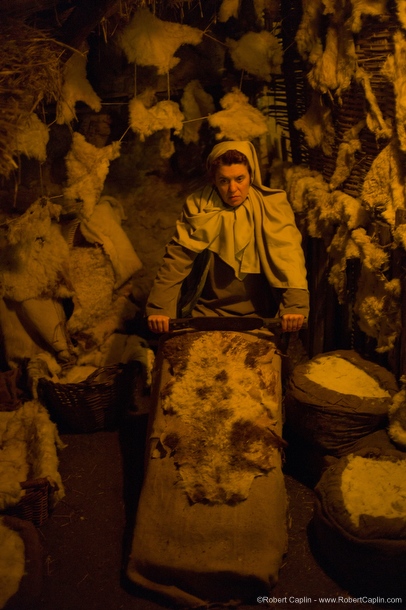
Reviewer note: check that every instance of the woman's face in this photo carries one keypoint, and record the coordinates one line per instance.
(233, 183)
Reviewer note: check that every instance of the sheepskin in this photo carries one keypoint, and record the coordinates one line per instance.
(12, 562)
(76, 87)
(221, 418)
(239, 120)
(146, 117)
(394, 70)
(148, 41)
(383, 190)
(346, 156)
(397, 418)
(87, 167)
(34, 263)
(258, 53)
(28, 445)
(228, 9)
(317, 125)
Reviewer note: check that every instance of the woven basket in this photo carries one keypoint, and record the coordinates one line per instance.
(36, 503)
(93, 404)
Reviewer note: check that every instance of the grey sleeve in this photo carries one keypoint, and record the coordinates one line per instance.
(177, 264)
(294, 300)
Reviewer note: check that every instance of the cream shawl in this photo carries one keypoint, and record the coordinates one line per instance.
(260, 235)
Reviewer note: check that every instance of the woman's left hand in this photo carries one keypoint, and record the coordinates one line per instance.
(292, 322)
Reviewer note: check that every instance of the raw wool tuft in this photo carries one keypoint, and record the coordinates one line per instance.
(374, 487)
(220, 418)
(350, 209)
(298, 179)
(397, 419)
(228, 9)
(346, 156)
(374, 256)
(401, 12)
(76, 88)
(34, 263)
(29, 442)
(308, 39)
(378, 308)
(31, 137)
(383, 191)
(195, 103)
(148, 41)
(239, 120)
(12, 562)
(317, 125)
(317, 199)
(146, 118)
(341, 249)
(360, 8)
(87, 168)
(258, 53)
(375, 120)
(394, 69)
(323, 75)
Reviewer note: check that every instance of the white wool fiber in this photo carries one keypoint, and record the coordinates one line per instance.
(374, 256)
(383, 190)
(29, 442)
(377, 306)
(308, 39)
(397, 419)
(228, 9)
(374, 487)
(360, 8)
(31, 138)
(148, 41)
(341, 375)
(258, 53)
(317, 125)
(76, 88)
(12, 562)
(350, 210)
(394, 69)
(146, 121)
(195, 103)
(375, 120)
(35, 263)
(323, 75)
(346, 156)
(341, 248)
(239, 120)
(401, 12)
(87, 168)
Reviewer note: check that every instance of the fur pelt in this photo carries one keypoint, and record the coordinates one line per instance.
(34, 263)
(221, 406)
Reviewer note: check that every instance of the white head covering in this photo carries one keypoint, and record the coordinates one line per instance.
(260, 235)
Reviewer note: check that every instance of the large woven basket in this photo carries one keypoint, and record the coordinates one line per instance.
(36, 503)
(93, 404)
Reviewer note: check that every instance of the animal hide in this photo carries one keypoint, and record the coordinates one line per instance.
(146, 118)
(239, 120)
(221, 406)
(258, 53)
(75, 88)
(148, 41)
(317, 125)
(34, 263)
(87, 168)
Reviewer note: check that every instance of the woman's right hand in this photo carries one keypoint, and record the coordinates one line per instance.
(158, 324)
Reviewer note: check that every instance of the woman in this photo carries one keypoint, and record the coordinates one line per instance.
(236, 250)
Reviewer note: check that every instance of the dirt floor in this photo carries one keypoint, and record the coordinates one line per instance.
(87, 537)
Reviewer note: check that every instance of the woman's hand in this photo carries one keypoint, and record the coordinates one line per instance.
(158, 324)
(292, 322)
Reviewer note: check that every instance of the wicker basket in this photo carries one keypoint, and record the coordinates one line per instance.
(36, 503)
(93, 404)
